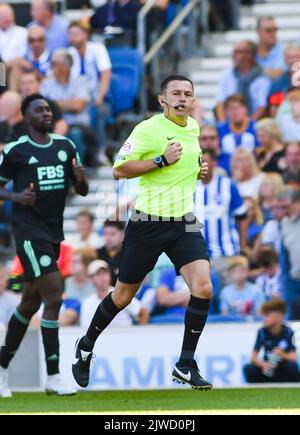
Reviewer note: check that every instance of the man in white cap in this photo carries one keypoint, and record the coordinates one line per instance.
(100, 275)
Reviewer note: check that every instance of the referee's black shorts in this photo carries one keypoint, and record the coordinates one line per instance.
(147, 237)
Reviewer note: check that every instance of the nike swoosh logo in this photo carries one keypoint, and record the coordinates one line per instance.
(170, 138)
(187, 377)
(196, 332)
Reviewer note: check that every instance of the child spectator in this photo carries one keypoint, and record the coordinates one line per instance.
(78, 286)
(240, 299)
(239, 130)
(85, 236)
(269, 282)
(279, 363)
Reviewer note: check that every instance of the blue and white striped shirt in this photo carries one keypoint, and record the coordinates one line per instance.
(222, 204)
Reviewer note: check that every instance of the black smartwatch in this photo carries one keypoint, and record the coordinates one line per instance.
(159, 162)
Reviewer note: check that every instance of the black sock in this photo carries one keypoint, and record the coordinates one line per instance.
(195, 321)
(50, 329)
(104, 315)
(17, 328)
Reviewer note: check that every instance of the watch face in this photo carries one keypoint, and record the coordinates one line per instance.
(158, 160)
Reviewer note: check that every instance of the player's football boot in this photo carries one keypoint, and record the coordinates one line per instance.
(5, 392)
(81, 367)
(191, 375)
(56, 387)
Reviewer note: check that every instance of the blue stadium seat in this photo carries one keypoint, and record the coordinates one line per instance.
(127, 69)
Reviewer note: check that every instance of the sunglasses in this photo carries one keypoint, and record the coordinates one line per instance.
(33, 40)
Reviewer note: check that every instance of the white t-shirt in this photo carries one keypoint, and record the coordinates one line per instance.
(93, 241)
(123, 319)
(259, 89)
(8, 304)
(95, 61)
(13, 43)
(251, 188)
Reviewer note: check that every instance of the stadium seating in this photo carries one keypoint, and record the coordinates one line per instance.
(127, 68)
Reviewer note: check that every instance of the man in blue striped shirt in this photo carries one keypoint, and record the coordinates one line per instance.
(224, 213)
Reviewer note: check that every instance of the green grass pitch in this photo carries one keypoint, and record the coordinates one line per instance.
(248, 401)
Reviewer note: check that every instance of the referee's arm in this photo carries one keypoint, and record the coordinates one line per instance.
(137, 168)
(134, 169)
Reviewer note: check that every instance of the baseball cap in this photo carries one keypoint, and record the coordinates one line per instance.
(95, 266)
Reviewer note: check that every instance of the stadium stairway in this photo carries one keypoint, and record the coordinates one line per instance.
(101, 200)
(206, 71)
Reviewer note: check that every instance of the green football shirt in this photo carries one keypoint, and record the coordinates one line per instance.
(166, 192)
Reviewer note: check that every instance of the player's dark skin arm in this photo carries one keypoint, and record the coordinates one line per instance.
(25, 198)
(137, 168)
(80, 182)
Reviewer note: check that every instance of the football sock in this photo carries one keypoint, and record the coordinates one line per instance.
(17, 328)
(195, 321)
(50, 331)
(104, 315)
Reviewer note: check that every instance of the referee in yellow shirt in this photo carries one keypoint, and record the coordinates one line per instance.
(164, 152)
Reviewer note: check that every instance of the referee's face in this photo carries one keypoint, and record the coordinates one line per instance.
(40, 117)
(178, 99)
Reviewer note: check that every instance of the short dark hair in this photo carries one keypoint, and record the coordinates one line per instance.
(80, 26)
(267, 257)
(276, 305)
(119, 225)
(262, 19)
(172, 78)
(32, 72)
(86, 213)
(30, 99)
(236, 98)
(213, 155)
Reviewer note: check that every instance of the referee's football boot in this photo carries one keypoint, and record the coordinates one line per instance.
(191, 375)
(82, 365)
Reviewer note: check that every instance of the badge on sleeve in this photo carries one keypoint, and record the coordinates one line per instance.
(127, 148)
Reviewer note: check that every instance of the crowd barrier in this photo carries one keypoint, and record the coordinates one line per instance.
(142, 357)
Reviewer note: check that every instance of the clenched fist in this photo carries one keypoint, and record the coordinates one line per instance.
(173, 153)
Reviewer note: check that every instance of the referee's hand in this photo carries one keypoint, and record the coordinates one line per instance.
(173, 153)
(26, 198)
